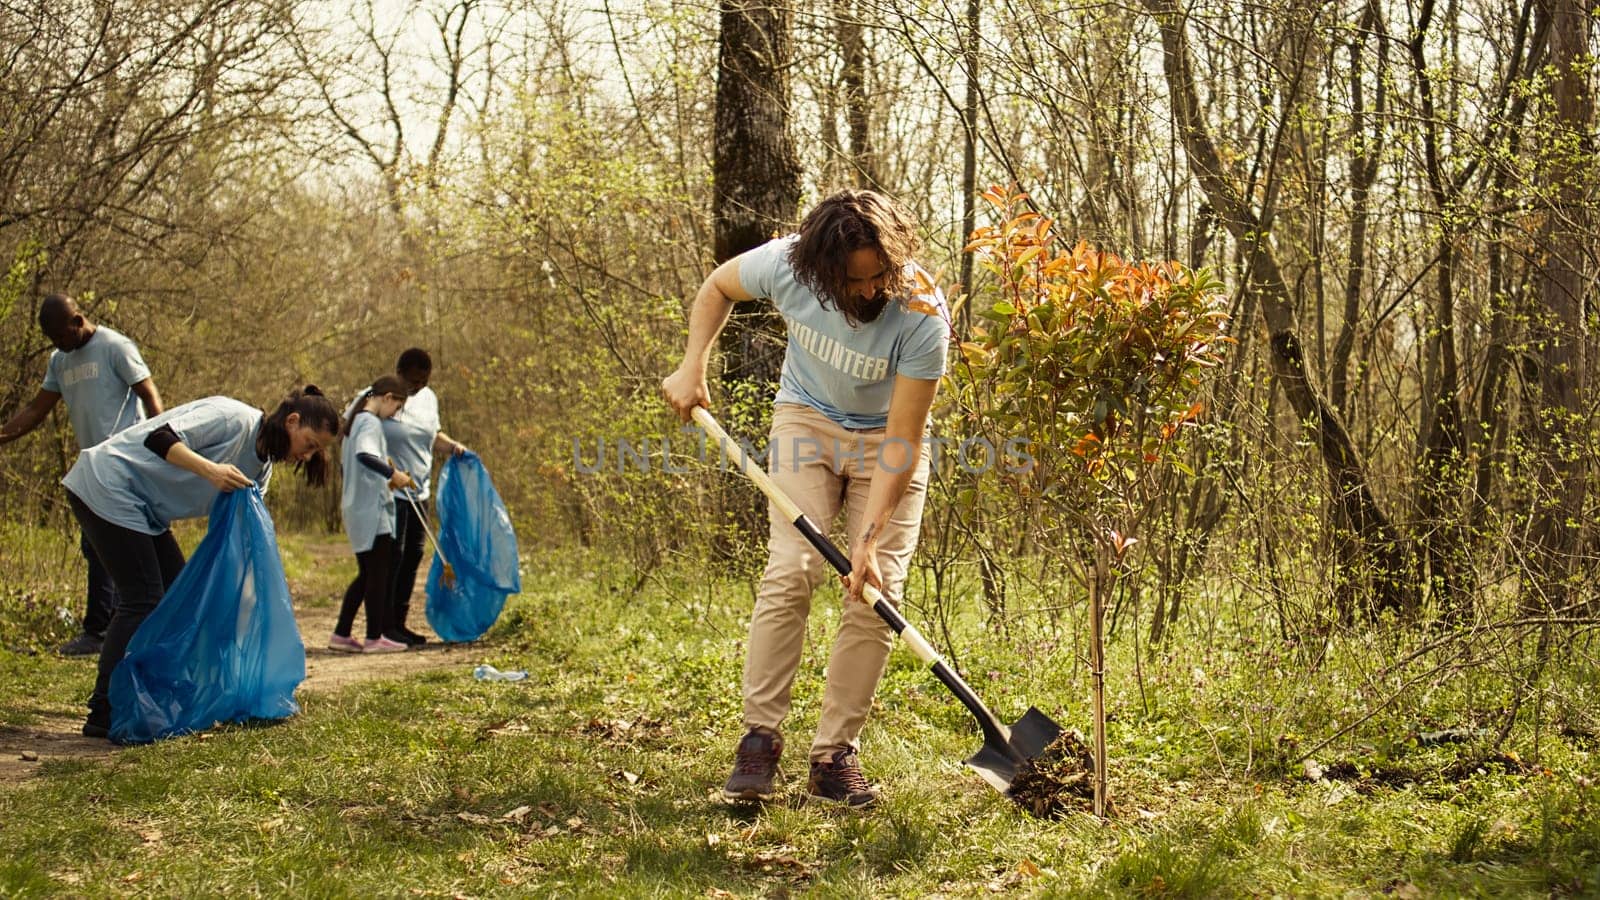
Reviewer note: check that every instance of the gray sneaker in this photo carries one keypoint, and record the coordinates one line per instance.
(839, 779)
(755, 767)
(84, 644)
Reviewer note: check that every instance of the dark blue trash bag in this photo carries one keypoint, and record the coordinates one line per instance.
(222, 646)
(476, 536)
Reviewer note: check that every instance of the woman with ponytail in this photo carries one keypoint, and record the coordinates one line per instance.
(126, 491)
(367, 506)
(415, 435)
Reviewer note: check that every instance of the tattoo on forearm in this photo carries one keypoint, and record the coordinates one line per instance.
(872, 529)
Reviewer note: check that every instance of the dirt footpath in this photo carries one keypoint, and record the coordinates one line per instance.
(24, 749)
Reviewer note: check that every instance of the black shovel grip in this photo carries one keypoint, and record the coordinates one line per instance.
(993, 733)
(841, 564)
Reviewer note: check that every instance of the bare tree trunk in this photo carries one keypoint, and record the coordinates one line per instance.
(1371, 530)
(1503, 295)
(857, 101)
(1440, 469)
(1107, 212)
(1559, 334)
(755, 175)
(755, 192)
(1365, 152)
(1207, 502)
(969, 153)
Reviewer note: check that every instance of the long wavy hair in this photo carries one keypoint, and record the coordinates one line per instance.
(845, 222)
(317, 412)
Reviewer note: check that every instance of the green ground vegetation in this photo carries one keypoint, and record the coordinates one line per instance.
(598, 775)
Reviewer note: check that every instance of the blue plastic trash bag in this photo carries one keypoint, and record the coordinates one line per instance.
(222, 646)
(476, 536)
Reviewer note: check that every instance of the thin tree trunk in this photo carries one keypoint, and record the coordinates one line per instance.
(1365, 153)
(1440, 468)
(857, 101)
(1208, 502)
(1099, 584)
(1559, 334)
(1497, 365)
(969, 154)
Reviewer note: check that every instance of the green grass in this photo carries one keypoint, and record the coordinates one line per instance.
(317, 567)
(599, 774)
(42, 610)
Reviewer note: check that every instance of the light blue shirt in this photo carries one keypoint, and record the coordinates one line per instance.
(367, 504)
(127, 484)
(847, 372)
(97, 382)
(410, 434)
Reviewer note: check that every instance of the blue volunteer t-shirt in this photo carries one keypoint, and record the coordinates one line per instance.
(97, 382)
(846, 372)
(410, 434)
(367, 504)
(127, 484)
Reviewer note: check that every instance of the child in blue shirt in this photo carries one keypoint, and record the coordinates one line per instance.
(367, 507)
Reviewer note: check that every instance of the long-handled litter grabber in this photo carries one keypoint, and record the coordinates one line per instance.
(1006, 748)
(449, 570)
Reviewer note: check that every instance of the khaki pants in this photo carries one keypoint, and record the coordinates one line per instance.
(822, 466)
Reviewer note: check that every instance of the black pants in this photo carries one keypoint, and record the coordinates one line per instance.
(102, 598)
(408, 536)
(142, 567)
(371, 586)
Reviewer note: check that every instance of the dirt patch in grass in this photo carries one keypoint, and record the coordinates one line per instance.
(329, 670)
(1368, 775)
(23, 749)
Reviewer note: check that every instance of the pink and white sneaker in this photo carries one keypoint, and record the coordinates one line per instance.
(344, 644)
(383, 645)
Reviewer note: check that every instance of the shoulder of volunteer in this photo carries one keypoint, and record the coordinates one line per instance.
(426, 396)
(785, 241)
(221, 407)
(115, 340)
(197, 418)
(127, 357)
(215, 401)
(761, 262)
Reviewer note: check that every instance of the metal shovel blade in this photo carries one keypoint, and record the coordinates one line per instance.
(1001, 757)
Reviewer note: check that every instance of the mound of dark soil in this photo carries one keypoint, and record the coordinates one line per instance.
(1059, 781)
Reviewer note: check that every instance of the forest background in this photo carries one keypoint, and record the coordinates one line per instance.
(1386, 505)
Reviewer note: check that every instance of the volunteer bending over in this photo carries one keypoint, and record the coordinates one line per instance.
(127, 491)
